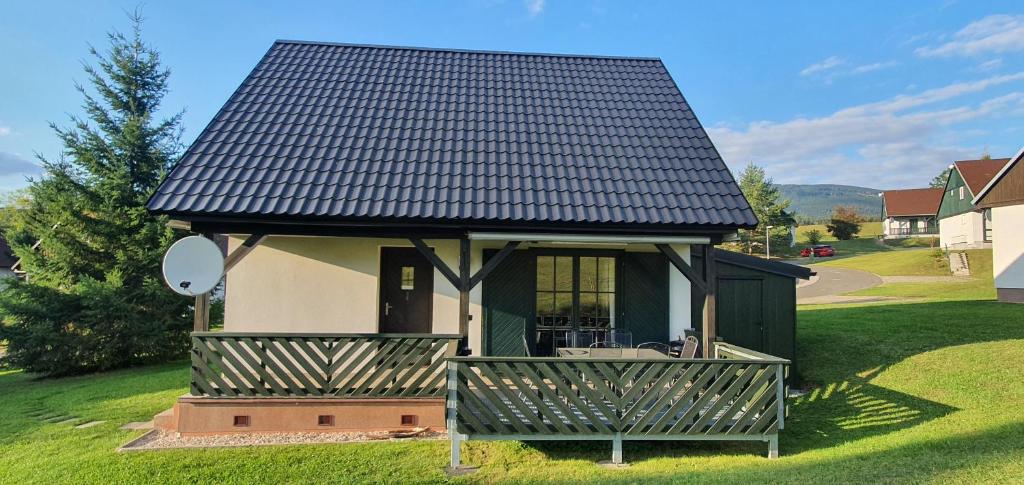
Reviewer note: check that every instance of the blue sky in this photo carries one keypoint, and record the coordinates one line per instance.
(880, 94)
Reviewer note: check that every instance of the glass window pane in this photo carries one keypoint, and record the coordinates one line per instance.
(563, 308)
(606, 274)
(408, 277)
(563, 273)
(604, 307)
(545, 272)
(588, 305)
(545, 304)
(588, 273)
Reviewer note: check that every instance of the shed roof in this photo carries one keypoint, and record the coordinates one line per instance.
(761, 264)
(977, 173)
(342, 132)
(912, 202)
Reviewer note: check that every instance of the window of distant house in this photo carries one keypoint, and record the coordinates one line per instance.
(961, 193)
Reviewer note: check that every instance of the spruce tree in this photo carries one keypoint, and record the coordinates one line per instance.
(93, 298)
(765, 200)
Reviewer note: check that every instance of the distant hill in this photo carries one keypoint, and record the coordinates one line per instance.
(816, 201)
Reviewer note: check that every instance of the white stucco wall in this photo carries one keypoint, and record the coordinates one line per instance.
(962, 231)
(679, 316)
(324, 284)
(1008, 246)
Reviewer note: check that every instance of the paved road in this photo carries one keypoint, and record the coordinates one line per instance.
(835, 281)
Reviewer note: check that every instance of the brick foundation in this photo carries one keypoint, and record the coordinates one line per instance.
(203, 415)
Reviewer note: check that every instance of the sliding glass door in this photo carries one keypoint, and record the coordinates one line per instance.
(575, 292)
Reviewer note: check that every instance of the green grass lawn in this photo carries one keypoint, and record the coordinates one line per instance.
(912, 392)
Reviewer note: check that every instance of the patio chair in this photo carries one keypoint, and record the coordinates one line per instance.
(689, 349)
(621, 337)
(581, 338)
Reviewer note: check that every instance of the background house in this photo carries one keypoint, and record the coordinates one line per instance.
(1003, 197)
(910, 212)
(962, 224)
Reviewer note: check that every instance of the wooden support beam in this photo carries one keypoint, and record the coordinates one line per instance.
(436, 262)
(464, 278)
(711, 277)
(201, 321)
(492, 263)
(240, 252)
(201, 318)
(683, 267)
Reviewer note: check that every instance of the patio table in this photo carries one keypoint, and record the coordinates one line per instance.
(611, 353)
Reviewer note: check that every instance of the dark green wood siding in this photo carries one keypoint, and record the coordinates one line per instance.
(951, 204)
(643, 296)
(749, 312)
(756, 309)
(741, 320)
(509, 297)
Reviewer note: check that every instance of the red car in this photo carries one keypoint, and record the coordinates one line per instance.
(820, 251)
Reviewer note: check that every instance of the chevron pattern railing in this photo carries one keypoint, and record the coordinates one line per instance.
(320, 365)
(632, 399)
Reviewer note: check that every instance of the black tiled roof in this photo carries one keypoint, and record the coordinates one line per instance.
(354, 132)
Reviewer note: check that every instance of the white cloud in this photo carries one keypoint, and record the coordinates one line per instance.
(990, 64)
(14, 164)
(885, 144)
(825, 65)
(995, 33)
(534, 7)
(5, 130)
(877, 66)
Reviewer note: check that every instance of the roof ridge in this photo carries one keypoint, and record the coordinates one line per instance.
(1005, 159)
(468, 51)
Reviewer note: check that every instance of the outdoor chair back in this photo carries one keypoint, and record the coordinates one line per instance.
(581, 338)
(622, 337)
(689, 349)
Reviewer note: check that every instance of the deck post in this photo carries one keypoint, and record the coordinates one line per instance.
(453, 432)
(780, 394)
(711, 280)
(773, 447)
(617, 449)
(464, 277)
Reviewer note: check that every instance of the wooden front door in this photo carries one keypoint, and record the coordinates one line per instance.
(406, 291)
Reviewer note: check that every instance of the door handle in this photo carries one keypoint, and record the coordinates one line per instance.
(387, 309)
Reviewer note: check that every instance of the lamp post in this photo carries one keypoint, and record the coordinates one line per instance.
(768, 242)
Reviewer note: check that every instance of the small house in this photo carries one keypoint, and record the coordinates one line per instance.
(910, 212)
(515, 234)
(1003, 198)
(962, 224)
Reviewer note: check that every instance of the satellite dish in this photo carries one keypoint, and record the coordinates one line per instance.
(193, 266)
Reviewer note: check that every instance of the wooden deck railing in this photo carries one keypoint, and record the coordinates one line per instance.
(320, 365)
(737, 396)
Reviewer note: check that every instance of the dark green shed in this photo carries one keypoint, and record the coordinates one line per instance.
(756, 302)
(756, 299)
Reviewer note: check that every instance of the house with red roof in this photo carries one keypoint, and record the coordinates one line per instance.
(910, 212)
(962, 223)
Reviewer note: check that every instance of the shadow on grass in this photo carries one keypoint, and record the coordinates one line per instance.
(843, 349)
(908, 462)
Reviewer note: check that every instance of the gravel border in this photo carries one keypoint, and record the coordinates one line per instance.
(158, 439)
